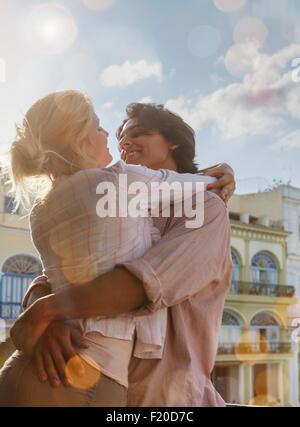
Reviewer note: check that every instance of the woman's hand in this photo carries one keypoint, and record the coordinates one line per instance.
(225, 180)
(53, 351)
(31, 325)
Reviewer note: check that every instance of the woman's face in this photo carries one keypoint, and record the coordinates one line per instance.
(97, 143)
(145, 147)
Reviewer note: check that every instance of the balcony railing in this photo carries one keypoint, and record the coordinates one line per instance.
(254, 348)
(12, 291)
(261, 289)
(9, 310)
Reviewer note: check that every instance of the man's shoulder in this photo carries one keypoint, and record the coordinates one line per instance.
(213, 201)
(214, 207)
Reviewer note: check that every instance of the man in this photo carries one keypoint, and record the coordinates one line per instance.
(188, 271)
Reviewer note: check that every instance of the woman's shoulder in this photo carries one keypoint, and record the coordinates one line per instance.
(111, 173)
(88, 178)
(38, 214)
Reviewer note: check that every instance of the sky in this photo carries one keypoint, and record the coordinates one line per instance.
(230, 68)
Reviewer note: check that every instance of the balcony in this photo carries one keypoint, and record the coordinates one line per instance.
(254, 348)
(9, 311)
(12, 291)
(261, 289)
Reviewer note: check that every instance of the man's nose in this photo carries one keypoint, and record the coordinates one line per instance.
(124, 143)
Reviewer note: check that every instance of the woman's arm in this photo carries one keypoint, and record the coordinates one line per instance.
(38, 288)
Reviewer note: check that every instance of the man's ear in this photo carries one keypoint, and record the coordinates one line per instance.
(173, 147)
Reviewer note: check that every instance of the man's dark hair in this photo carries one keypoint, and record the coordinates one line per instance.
(173, 128)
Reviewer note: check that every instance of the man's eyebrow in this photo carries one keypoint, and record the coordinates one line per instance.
(123, 132)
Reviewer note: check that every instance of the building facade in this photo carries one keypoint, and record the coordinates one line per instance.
(257, 359)
(19, 261)
(281, 206)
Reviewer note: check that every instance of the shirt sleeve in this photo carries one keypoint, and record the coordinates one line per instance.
(38, 282)
(151, 181)
(186, 261)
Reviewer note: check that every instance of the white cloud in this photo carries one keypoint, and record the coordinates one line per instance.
(288, 142)
(128, 73)
(240, 58)
(146, 100)
(258, 105)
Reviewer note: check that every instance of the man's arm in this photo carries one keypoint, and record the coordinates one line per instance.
(184, 262)
(113, 293)
(225, 183)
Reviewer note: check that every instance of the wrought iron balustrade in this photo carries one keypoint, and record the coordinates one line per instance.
(255, 347)
(12, 291)
(261, 289)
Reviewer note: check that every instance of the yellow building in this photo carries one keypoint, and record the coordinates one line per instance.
(257, 360)
(19, 261)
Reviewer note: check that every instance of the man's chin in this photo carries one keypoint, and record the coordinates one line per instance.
(132, 161)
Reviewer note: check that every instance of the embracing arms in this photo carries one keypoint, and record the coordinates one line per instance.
(184, 262)
(60, 340)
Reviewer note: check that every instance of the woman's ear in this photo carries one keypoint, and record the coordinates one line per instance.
(83, 147)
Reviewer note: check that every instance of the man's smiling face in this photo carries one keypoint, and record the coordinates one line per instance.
(143, 146)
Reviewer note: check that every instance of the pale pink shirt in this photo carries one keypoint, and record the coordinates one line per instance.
(188, 271)
(76, 246)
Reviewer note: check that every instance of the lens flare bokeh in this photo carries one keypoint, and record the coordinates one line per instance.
(51, 28)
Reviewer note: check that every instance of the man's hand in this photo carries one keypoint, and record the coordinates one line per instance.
(31, 325)
(53, 351)
(225, 180)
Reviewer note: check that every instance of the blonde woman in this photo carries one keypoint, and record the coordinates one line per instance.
(61, 140)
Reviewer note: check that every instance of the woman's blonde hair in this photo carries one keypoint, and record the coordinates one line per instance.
(43, 147)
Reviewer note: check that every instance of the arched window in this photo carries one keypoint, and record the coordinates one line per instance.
(264, 319)
(264, 268)
(231, 330)
(265, 327)
(236, 272)
(22, 264)
(230, 318)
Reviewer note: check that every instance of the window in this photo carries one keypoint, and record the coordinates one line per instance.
(263, 276)
(231, 331)
(236, 266)
(265, 328)
(264, 269)
(9, 205)
(22, 264)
